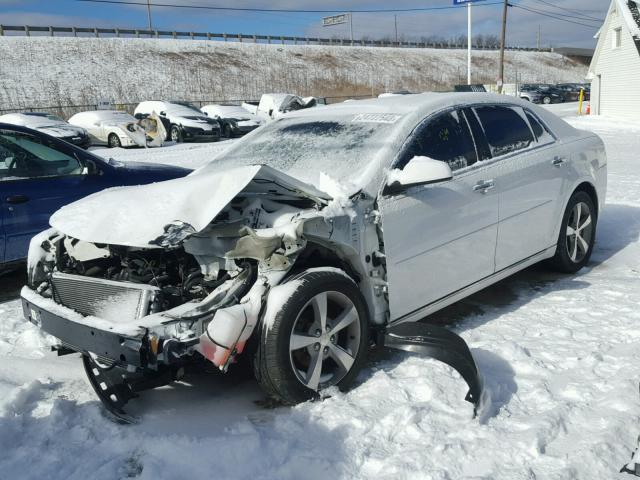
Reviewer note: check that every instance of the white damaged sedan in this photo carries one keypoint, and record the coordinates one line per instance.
(314, 238)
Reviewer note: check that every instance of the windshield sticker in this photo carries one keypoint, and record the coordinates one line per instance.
(376, 118)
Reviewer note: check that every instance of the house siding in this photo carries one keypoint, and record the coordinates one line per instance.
(616, 83)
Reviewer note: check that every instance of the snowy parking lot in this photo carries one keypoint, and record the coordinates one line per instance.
(559, 356)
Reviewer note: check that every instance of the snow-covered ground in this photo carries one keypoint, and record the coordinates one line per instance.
(559, 355)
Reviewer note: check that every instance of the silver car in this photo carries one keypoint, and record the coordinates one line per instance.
(314, 238)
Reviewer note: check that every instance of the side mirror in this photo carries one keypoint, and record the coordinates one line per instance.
(419, 171)
(163, 114)
(139, 116)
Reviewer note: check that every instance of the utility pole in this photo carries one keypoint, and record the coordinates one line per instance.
(469, 43)
(149, 14)
(395, 24)
(502, 43)
(539, 37)
(351, 26)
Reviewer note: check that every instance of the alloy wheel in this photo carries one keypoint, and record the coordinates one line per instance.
(579, 232)
(324, 340)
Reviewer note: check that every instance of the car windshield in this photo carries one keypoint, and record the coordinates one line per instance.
(47, 116)
(183, 110)
(341, 146)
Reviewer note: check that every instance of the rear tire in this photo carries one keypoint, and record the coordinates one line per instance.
(316, 339)
(577, 234)
(546, 100)
(226, 132)
(114, 141)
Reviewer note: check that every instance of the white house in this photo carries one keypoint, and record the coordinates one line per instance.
(615, 68)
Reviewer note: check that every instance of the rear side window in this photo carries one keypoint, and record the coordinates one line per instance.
(505, 129)
(446, 138)
(542, 135)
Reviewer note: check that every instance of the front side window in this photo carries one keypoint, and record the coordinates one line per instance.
(26, 156)
(505, 129)
(446, 138)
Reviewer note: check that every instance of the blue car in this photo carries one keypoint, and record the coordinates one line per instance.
(39, 174)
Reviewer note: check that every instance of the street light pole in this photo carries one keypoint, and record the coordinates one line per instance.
(502, 43)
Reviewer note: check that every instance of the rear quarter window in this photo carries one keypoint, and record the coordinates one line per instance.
(543, 136)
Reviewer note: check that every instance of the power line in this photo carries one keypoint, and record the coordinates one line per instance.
(546, 14)
(563, 15)
(279, 10)
(586, 17)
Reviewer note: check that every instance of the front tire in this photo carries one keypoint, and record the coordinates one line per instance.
(114, 141)
(546, 100)
(315, 340)
(226, 131)
(175, 134)
(577, 234)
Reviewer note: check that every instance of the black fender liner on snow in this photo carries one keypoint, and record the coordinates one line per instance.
(440, 344)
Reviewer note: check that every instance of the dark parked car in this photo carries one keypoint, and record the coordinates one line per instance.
(40, 173)
(235, 120)
(573, 90)
(537, 93)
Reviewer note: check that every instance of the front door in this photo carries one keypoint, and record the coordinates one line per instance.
(35, 180)
(440, 238)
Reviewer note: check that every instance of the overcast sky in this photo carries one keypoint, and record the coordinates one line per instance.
(576, 25)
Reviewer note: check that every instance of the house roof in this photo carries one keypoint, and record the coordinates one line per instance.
(634, 22)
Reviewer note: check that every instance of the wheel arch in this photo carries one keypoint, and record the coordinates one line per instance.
(589, 189)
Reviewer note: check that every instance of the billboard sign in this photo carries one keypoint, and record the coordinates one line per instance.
(335, 20)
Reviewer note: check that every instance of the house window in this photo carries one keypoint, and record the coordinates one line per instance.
(617, 37)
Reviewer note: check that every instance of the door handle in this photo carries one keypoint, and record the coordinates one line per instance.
(16, 199)
(558, 161)
(484, 186)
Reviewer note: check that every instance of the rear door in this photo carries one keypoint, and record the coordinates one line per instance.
(440, 238)
(36, 180)
(531, 181)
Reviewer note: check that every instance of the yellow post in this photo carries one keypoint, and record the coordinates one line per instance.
(581, 100)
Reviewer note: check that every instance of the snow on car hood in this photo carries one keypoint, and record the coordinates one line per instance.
(136, 216)
(61, 130)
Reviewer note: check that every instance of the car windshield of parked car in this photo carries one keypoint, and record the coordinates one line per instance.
(46, 116)
(340, 146)
(183, 110)
(25, 156)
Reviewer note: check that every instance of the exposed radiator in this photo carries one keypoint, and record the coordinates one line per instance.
(118, 302)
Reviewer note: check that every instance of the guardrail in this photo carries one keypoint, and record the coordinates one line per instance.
(238, 37)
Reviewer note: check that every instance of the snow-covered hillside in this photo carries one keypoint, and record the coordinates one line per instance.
(45, 71)
(559, 355)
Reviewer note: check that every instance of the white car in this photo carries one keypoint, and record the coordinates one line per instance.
(312, 237)
(235, 120)
(182, 121)
(49, 124)
(115, 128)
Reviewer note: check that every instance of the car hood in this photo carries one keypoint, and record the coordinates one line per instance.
(133, 168)
(139, 216)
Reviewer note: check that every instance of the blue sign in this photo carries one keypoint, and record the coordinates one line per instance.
(462, 2)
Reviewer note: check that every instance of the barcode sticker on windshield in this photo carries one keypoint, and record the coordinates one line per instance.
(376, 118)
